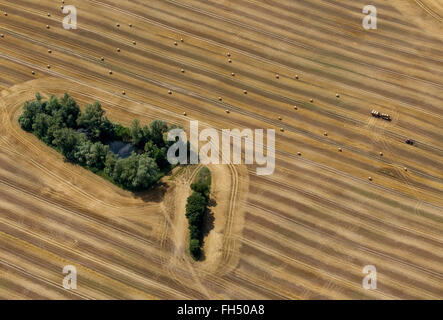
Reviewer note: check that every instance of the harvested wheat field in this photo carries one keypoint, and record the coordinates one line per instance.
(347, 191)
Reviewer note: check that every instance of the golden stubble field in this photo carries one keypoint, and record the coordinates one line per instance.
(305, 232)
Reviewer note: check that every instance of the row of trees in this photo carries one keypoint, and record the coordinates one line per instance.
(83, 138)
(196, 208)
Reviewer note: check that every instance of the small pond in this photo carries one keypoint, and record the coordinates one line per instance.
(122, 149)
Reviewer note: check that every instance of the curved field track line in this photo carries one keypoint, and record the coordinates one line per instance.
(405, 178)
(37, 149)
(341, 280)
(77, 213)
(116, 38)
(102, 223)
(170, 263)
(272, 34)
(361, 180)
(361, 247)
(290, 128)
(290, 235)
(278, 151)
(335, 204)
(28, 143)
(165, 232)
(123, 272)
(263, 59)
(50, 283)
(255, 57)
(427, 271)
(322, 252)
(239, 110)
(290, 101)
(194, 174)
(258, 30)
(229, 242)
(431, 12)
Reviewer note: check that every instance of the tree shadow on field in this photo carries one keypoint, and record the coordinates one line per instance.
(155, 194)
(212, 202)
(208, 225)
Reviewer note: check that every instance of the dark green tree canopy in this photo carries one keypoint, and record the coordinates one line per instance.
(98, 125)
(196, 209)
(82, 137)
